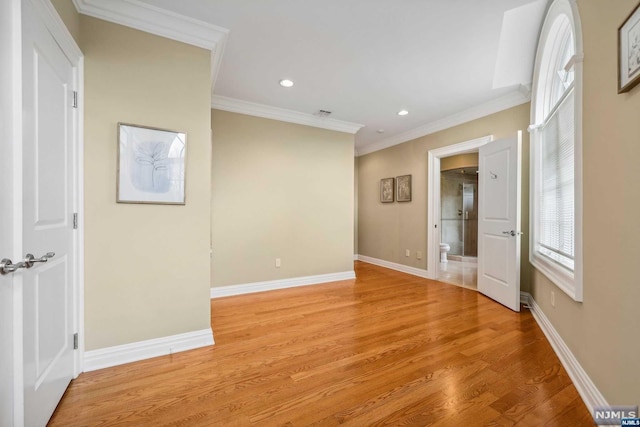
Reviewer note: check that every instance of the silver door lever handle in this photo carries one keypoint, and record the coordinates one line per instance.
(510, 233)
(7, 266)
(29, 259)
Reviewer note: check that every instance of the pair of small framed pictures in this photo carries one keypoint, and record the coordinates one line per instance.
(395, 189)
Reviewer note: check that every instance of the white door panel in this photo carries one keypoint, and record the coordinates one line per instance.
(47, 219)
(495, 251)
(499, 221)
(497, 207)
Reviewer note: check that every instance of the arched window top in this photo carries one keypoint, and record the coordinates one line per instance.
(559, 53)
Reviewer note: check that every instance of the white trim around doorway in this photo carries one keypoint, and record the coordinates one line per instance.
(433, 194)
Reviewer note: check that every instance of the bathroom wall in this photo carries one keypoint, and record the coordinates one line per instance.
(459, 161)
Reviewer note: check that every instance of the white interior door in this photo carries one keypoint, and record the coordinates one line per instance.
(499, 221)
(48, 202)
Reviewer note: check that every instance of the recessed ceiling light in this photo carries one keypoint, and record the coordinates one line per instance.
(403, 112)
(286, 83)
(380, 131)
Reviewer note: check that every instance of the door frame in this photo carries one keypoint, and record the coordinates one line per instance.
(433, 195)
(54, 24)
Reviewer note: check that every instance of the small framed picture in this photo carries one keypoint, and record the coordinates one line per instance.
(629, 52)
(386, 190)
(151, 165)
(403, 184)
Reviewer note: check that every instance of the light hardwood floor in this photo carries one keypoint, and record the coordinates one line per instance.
(384, 349)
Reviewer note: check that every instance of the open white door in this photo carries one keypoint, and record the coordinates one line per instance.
(499, 221)
(47, 219)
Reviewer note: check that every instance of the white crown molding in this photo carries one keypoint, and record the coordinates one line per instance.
(154, 20)
(265, 111)
(249, 288)
(520, 96)
(216, 60)
(161, 22)
(425, 274)
(121, 354)
(591, 396)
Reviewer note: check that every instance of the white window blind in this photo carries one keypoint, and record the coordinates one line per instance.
(556, 151)
(556, 220)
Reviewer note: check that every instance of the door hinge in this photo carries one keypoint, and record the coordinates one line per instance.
(75, 99)
(75, 220)
(75, 341)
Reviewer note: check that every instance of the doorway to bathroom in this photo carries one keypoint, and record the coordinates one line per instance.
(453, 212)
(459, 219)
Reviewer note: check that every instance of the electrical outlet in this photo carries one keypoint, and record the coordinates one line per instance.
(553, 299)
(407, 252)
(419, 255)
(278, 263)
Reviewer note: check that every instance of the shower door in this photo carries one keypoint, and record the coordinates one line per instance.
(470, 219)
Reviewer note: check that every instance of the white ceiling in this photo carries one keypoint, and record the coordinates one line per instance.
(364, 60)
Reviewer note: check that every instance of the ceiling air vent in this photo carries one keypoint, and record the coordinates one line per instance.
(322, 113)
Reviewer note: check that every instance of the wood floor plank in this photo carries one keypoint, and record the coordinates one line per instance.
(384, 349)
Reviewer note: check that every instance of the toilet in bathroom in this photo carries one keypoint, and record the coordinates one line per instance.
(444, 248)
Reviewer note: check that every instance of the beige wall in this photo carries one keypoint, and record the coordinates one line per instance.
(147, 271)
(280, 190)
(70, 17)
(602, 332)
(387, 229)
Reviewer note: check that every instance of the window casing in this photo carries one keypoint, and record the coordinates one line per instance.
(556, 150)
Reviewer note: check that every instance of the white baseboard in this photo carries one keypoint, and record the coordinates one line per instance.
(121, 354)
(248, 288)
(588, 391)
(524, 299)
(398, 267)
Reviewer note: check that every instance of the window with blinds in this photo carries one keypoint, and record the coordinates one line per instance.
(556, 189)
(556, 151)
